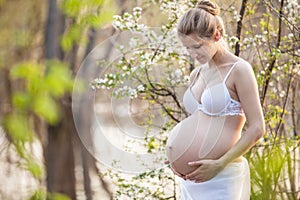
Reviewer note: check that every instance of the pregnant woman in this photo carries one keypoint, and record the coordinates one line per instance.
(206, 148)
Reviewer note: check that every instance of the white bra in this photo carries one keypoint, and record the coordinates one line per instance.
(215, 100)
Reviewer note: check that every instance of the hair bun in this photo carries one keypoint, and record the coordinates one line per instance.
(209, 7)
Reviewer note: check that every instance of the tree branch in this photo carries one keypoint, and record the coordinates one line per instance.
(239, 27)
(273, 60)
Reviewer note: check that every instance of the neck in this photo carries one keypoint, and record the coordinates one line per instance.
(222, 57)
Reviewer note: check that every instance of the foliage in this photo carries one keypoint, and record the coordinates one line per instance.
(271, 164)
(155, 184)
(35, 85)
(38, 98)
(273, 51)
(85, 14)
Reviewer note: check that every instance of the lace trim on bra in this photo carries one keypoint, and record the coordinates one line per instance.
(233, 107)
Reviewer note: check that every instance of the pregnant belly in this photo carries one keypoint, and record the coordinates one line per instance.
(201, 137)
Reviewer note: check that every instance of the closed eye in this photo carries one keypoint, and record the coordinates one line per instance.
(194, 47)
(197, 47)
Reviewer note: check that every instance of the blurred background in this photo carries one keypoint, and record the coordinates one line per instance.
(43, 44)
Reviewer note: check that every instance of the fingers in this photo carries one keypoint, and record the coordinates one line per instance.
(193, 175)
(197, 177)
(195, 163)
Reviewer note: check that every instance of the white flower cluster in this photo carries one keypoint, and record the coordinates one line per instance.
(169, 7)
(232, 40)
(137, 13)
(107, 82)
(126, 91)
(129, 21)
(174, 8)
(176, 77)
(282, 93)
(167, 44)
(257, 40)
(140, 88)
(236, 15)
(134, 42)
(144, 60)
(248, 42)
(129, 91)
(292, 10)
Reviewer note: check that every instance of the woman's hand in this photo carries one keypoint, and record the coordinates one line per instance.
(207, 169)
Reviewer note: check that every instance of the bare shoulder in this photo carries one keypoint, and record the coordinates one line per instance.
(243, 66)
(245, 81)
(244, 71)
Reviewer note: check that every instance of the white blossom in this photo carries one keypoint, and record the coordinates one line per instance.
(177, 73)
(124, 67)
(110, 82)
(133, 69)
(140, 88)
(236, 16)
(282, 93)
(137, 12)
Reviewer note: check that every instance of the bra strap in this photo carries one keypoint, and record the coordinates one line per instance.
(227, 75)
(196, 76)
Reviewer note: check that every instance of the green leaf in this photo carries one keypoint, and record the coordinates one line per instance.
(21, 100)
(34, 168)
(38, 195)
(72, 36)
(58, 79)
(72, 8)
(57, 196)
(96, 2)
(46, 107)
(27, 70)
(18, 127)
(66, 42)
(251, 11)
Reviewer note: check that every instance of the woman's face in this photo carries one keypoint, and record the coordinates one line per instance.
(200, 49)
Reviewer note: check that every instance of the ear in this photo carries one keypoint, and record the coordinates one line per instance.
(217, 36)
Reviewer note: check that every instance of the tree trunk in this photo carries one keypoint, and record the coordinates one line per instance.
(59, 155)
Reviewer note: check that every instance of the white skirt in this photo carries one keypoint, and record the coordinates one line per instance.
(232, 183)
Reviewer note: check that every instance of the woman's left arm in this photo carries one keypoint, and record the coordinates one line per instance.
(247, 90)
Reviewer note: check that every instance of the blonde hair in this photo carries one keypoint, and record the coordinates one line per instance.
(202, 20)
